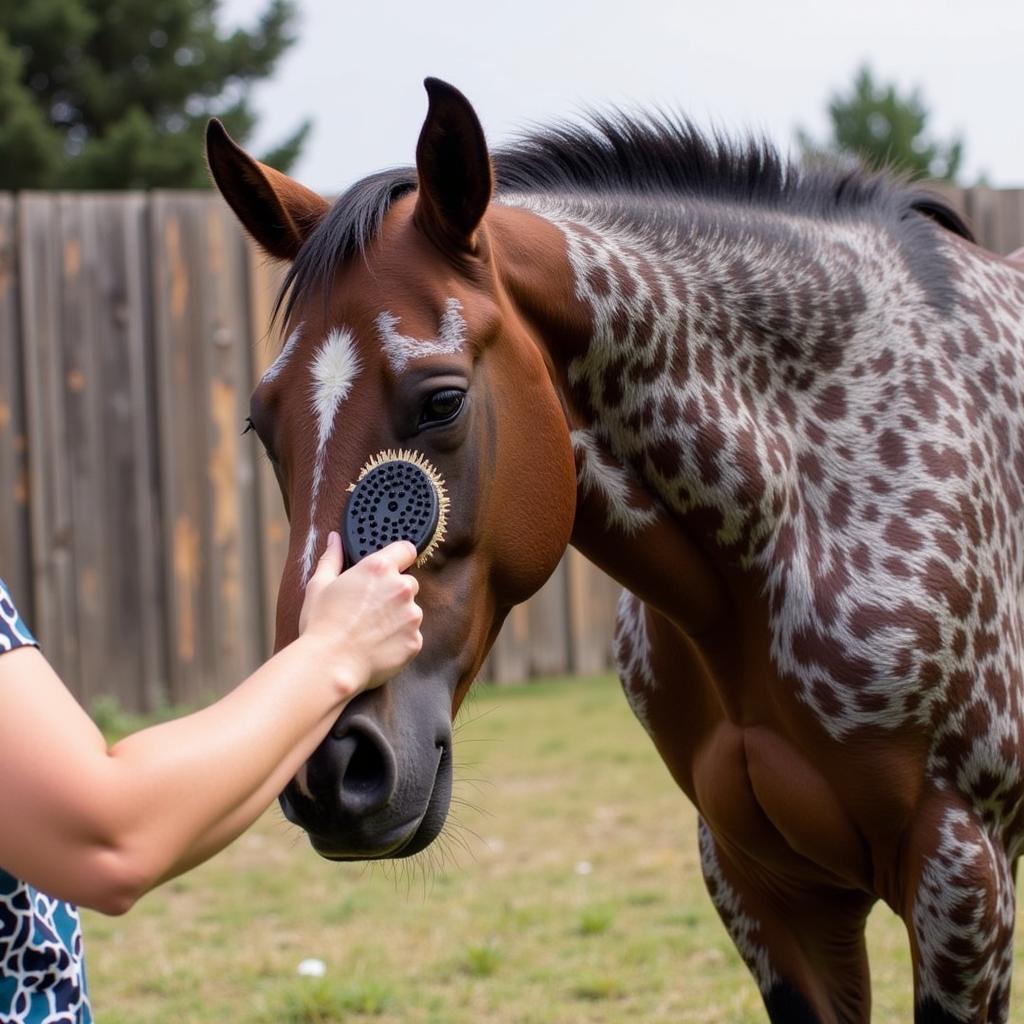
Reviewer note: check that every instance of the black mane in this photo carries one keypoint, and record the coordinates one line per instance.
(624, 159)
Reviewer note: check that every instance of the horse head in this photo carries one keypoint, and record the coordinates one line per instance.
(401, 337)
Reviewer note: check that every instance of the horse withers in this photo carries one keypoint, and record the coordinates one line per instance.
(783, 409)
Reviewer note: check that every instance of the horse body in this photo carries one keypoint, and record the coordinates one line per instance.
(789, 424)
(848, 455)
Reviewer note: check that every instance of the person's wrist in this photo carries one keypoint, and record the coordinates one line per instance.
(341, 670)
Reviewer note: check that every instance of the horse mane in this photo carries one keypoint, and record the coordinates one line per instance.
(622, 157)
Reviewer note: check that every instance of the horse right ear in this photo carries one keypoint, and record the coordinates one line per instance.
(453, 168)
(276, 210)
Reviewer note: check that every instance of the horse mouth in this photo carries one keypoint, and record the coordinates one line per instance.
(365, 840)
(405, 836)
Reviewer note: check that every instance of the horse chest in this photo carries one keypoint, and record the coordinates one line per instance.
(738, 741)
(759, 790)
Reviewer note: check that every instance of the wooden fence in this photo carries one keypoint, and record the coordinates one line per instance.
(140, 534)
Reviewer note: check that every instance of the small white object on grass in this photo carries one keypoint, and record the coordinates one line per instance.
(312, 968)
(584, 867)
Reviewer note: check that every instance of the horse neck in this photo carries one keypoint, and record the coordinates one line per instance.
(704, 363)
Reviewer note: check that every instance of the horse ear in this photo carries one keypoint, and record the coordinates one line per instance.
(277, 211)
(454, 169)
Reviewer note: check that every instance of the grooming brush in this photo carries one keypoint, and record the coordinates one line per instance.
(398, 495)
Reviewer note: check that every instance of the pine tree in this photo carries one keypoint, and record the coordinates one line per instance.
(883, 128)
(116, 93)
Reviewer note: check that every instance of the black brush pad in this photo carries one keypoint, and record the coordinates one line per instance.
(394, 501)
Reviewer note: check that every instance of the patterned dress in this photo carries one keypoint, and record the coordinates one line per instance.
(42, 974)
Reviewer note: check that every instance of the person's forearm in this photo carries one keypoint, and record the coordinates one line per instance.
(227, 830)
(106, 825)
(101, 826)
(217, 770)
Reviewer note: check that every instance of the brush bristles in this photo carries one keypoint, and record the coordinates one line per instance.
(419, 460)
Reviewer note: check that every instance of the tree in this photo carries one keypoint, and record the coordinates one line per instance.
(885, 129)
(117, 93)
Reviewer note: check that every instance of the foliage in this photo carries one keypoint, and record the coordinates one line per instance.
(885, 128)
(117, 93)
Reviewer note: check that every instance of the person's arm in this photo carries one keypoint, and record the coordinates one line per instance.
(100, 827)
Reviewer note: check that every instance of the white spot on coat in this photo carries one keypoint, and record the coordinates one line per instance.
(275, 368)
(595, 474)
(400, 348)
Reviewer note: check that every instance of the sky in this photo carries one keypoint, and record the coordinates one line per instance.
(737, 65)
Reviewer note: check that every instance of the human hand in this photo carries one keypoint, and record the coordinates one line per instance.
(366, 618)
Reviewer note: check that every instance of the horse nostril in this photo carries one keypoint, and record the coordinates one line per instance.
(366, 770)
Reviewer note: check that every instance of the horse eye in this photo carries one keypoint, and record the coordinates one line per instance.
(250, 427)
(442, 407)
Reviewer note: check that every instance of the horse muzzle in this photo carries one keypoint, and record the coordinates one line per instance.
(379, 785)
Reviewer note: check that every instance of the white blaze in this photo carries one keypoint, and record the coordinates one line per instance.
(334, 370)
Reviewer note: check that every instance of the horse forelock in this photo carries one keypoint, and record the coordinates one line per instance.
(353, 221)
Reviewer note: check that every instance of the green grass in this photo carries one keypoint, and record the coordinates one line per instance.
(322, 1001)
(566, 890)
(482, 961)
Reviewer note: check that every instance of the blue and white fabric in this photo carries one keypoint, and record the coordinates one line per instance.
(42, 972)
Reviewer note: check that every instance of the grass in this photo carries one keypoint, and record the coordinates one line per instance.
(566, 890)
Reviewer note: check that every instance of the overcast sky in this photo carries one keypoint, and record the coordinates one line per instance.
(357, 69)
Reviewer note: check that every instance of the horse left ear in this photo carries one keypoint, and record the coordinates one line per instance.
(454, 169)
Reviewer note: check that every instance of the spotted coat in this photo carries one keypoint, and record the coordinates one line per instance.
(853, 434)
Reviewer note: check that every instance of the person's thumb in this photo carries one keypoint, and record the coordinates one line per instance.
(329, 565)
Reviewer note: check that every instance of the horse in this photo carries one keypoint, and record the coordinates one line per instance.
(781, 406)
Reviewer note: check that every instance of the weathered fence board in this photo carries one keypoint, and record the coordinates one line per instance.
(181, 419)
(547, 626)
(15, 559)
(55, 615)
(592, 599)
(83, 393)
(136, 521)
(146, 537)
(997, 217)
(204, 374)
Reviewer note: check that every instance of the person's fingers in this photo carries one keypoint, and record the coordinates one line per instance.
(329, 565)
(401, 554)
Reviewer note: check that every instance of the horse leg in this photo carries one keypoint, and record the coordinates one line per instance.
(959, 907)
(804, 946)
